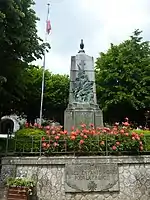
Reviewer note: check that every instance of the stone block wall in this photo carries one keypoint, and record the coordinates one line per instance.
(110, 178)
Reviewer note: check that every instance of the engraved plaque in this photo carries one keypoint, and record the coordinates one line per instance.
(91, 177)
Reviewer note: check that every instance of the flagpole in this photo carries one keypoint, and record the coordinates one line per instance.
(43, 74)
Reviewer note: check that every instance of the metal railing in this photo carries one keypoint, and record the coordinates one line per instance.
(33, 146)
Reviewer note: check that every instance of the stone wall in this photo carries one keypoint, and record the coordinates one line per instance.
(83, 178)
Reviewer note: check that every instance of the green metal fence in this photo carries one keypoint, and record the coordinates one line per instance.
(31, 146)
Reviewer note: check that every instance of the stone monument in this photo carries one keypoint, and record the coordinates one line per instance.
(82, 107)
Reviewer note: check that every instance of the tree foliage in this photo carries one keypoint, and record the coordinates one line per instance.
(123, 77)
(56, 92)
(19, 45)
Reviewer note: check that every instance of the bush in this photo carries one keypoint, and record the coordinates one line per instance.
(87, 139)
(28, 139)
(146, 137)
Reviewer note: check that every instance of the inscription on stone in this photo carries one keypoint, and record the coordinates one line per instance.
(91, 177)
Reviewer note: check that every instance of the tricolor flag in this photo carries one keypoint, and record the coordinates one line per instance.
(48, 26)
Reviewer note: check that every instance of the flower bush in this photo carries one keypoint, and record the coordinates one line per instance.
(119, 139)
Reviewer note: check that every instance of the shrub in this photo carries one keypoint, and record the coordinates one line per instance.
(87, 139)
(28, 139)
(146, 137)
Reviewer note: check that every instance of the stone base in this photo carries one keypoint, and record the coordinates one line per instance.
(76, 114)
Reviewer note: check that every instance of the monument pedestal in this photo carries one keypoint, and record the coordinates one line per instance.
(82, 107)
(76, 114)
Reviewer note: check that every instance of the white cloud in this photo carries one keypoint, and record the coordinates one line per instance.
(98, 22)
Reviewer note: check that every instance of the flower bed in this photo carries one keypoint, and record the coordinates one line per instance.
(84, 140)
(88, 139)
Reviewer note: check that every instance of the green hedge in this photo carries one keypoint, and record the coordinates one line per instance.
(146, 136)
(28, 140)
(25, 140)
(145, 132)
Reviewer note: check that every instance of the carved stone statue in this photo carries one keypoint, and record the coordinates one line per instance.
(83, 88)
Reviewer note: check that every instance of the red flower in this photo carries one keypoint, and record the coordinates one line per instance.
(126, 134)
(35, 124)
(53, 132)
(47, 127)
(125, 123)
(65, 132)
(85, 136)
(55, 144)
(43, 138)
(83, 125)
(74, 133)
(117, 143)
(81, 141)
(92, 125)
(57, 137)
(73, 137)
(114, 148)
(44, 144)
(121, 131)
(26, 125)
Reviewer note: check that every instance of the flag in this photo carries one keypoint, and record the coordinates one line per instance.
(48, 26)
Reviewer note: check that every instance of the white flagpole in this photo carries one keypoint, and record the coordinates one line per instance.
(43, 75)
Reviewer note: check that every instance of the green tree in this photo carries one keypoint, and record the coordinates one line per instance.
(123, 78)
(56, 92)
(20, 45)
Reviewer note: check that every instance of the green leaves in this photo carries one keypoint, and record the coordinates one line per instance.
(123, 74)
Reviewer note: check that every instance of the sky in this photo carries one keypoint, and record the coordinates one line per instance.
(97, 22)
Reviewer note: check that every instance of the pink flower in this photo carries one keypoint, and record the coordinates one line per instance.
(125, 123)
(133, 138)
(141, 142)
(85, 136)
(55, 144)
(92, 125)
(72, 128)
(73, 137)
(44, 144)
(47, 132)
(57, 137)
(47, 127)
(48, 145)
(83, 125)
(35, 124)
(126, 134)
(53, 132)
(81, 141)
(65, 132)
(127, 119)
(43, 138)
(117, 143)
(121, 131)
(81, 134)
(114, 148)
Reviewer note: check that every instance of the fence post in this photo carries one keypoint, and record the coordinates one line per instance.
(106, 146)
(6, 150)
